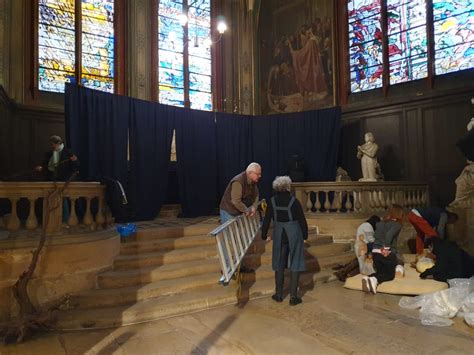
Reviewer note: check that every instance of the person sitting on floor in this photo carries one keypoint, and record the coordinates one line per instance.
(290, 230)
(451, 261)
(363, 247)
(384, 251)
(430, 222)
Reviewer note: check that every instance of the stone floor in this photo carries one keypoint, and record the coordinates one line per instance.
(331, 320)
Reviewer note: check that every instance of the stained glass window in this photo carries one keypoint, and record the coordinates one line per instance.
(407, 40)
(185, 43)
(98, 44)
(57, 37)
(56, 43)
(365, 44)
(453, 23)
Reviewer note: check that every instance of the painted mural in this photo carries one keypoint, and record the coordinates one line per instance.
(296, 56)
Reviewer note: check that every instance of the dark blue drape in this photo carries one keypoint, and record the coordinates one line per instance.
(97, 132)
(151, 132)
(313, 135)
(197, 165)
(211, 148)
(234, 146)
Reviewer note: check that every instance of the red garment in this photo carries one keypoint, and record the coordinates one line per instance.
(423, 229)
(309, 68)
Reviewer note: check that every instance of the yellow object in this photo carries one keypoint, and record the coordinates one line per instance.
(424, 264)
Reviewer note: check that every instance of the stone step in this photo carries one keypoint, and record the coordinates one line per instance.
(151, 233)
(173, 305)
(123, 262)
(313, 263)
(165, 244)
(260, 245)
(311, 252)
(137, 276)
(107, 297)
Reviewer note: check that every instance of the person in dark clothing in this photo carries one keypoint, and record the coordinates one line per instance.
(296, 169)
(363, 250)
(430, 222)
(60, 163)
(290, 230)
(384, 250)
(451, 261)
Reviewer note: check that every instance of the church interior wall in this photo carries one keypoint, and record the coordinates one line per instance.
(416, 124)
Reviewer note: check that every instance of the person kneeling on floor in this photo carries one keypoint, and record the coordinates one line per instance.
(384, 251)
(451, 261)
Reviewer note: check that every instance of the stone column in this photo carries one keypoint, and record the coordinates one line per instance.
(139, 49)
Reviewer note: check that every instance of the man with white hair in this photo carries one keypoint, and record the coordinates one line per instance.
(241, 194)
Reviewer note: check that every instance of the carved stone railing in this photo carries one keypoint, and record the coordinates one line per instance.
(84, 198)
(359, 197)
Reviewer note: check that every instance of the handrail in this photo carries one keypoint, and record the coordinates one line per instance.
(91, 193)
(360, 197)
(233, 239)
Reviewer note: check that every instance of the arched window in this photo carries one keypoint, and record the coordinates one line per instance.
(184, 53)
(394, 38)
(76, 43)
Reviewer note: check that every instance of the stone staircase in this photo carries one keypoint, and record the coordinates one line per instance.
(164, 272)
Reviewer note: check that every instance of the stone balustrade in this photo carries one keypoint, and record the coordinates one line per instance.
(359, 197)
(85, 199)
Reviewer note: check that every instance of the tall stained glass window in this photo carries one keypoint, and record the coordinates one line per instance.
(453, 23)
(407, 40)
(365, 44)
(184, 53)
(58, 35)
(405, 37)
(98, 44)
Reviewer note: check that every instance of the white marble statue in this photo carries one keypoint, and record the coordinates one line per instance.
(367, 153)
(465, 181)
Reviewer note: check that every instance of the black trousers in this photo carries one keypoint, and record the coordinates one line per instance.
(280, 273)
(384, 267)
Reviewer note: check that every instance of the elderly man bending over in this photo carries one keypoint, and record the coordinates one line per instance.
(241, 194)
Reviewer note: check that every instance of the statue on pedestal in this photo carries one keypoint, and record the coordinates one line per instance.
(465, 181)
(367, 153)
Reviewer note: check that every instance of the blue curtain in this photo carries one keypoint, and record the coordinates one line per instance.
(234, 146)
(313, 135)
(151, 132)
(97, 132)
(197, 165)
(211, 148)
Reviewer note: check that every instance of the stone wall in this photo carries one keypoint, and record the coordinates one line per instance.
(68, 264)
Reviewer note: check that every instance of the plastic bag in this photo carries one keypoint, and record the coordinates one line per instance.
(469, 318)
(125, 230)
(437, 308)
(468, 304)
(432, 319)
(412, 302)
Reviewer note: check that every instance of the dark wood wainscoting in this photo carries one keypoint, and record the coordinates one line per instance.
(24, 135)
(417, 141)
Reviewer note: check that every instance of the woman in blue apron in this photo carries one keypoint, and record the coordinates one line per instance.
(289, 232)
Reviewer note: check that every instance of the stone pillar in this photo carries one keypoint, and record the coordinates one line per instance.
(5, 33)
(245, 56)
(139, 49)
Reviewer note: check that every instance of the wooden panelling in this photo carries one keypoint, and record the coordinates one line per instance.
(24, 135)
(417, 141)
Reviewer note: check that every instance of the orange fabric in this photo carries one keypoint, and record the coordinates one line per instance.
(423, 230)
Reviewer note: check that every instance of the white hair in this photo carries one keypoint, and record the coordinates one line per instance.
(281, 184)
(253, 167)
